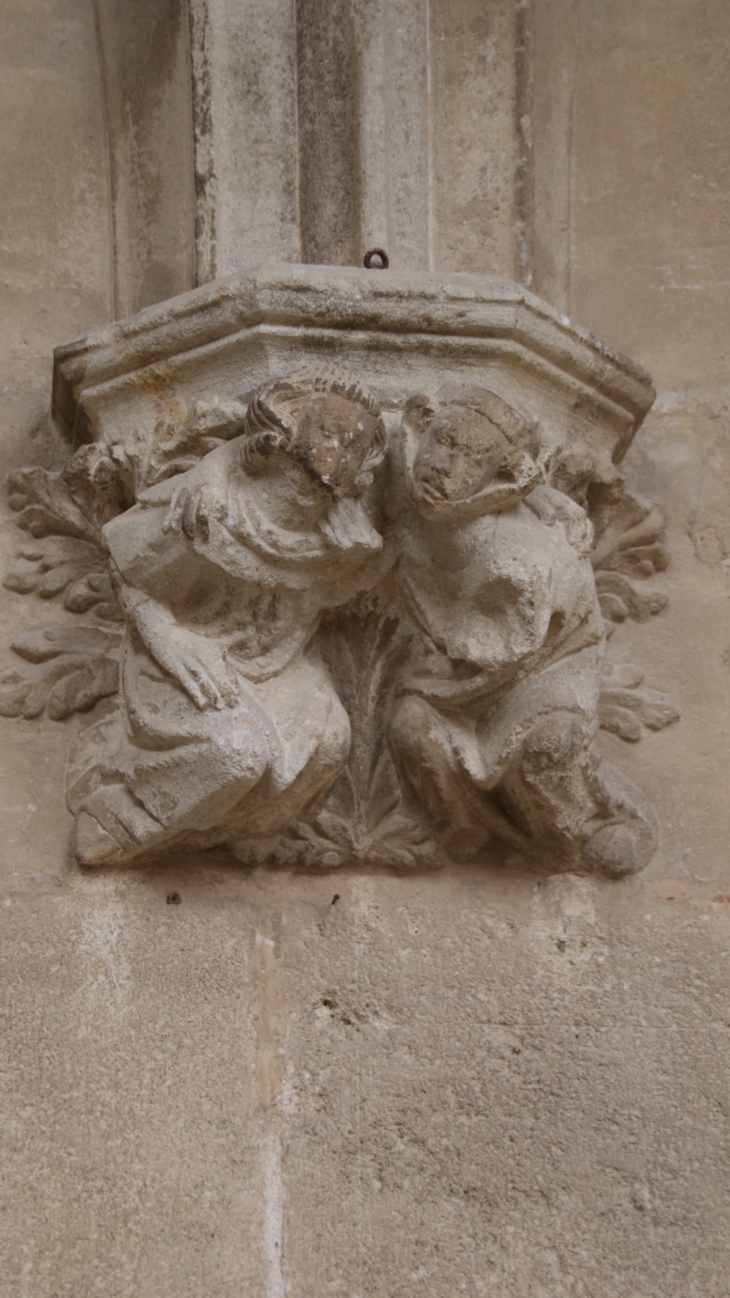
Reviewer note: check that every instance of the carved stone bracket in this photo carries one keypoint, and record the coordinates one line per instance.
(343, 546)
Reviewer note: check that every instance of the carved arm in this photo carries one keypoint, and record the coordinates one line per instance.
(195, 661)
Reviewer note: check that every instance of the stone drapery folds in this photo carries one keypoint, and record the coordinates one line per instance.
(337, 556)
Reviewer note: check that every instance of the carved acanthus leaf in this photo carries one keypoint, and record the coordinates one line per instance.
(634, 540)
(65, 669)
(45, 507)
(630, 548)
(363, 817)
(626, 705)
(61, 567)
(620, 599)
(399, 841)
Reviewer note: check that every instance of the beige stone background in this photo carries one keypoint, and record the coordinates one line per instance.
(464, 1083)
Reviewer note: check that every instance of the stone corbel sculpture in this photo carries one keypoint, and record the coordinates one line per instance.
(495, 722)
(344, 550)
(229, 723)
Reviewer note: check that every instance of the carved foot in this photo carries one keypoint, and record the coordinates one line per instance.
(617, 849)
(112, 828)
(93, 845)
(623, 840)
(580, 813)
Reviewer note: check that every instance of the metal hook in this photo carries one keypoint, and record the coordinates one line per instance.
(367, 260)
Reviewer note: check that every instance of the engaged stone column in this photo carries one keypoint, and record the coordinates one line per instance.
(330, 127)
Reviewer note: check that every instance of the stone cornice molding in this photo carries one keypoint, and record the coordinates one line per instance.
(458, 321)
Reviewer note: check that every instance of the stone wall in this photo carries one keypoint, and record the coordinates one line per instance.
(363, 1083)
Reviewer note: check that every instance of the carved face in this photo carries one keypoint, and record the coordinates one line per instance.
(459, 454)
(334, 435)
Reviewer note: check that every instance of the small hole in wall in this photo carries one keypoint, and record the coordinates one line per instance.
(173, 899)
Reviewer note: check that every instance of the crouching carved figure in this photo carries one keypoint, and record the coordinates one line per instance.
(495, 722)
(229, 723)
(306, 693)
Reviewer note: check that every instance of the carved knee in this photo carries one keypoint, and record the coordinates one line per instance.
(238, 753)
(334, 744)
(555, 741)
(409, 727)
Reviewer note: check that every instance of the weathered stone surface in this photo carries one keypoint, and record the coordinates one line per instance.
(444, 325)
(457, 1081)
(229, 727)
(475, 1083)
(235, 531)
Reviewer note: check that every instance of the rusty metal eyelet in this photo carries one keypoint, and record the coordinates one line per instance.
(367, 260)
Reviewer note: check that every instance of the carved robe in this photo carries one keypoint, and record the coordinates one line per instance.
(168, 769)
(510, 631)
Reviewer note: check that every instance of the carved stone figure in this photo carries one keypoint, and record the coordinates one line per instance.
(310, 651)
(495, 725)
(227, 718)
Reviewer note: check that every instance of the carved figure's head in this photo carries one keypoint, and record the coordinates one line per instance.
(469, 438)
(589, 478)
(325, 421)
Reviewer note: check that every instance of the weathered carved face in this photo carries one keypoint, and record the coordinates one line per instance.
(287, 492)
(459, 454)
(333, 436)
(326, 422)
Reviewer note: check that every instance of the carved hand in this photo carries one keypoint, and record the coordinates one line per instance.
(189, 511)
(199, 666)
(196, 662)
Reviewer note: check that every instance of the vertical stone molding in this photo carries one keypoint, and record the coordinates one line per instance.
(325, 129)
(244, 68)
(147, 88)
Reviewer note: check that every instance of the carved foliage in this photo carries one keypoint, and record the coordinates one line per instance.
(626, 705)
(629, 549)
(363, 817)
(68, 668)
(366, 815)
(65, 669)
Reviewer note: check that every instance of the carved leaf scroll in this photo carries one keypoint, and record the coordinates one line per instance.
(45, 507)
(626, 706)
(72, 571)
(631, 548)
(364, 817)
(65, 669)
